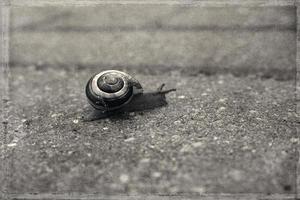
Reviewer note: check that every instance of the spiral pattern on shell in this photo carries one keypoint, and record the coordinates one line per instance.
(110, 89)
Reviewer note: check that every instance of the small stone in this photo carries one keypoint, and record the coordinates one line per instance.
(156, 174)
(56, 115)
(129, 139)
(177, 122)
(181, 97)
(197, 144)
(245, 148)
(270, 144)
(145, 160)
(105, 128)
(186, 148)
(75, 121)
(204, 94)
(12, 144)
(124, 178)
(222, 100)
(294, 140)
(221, 108)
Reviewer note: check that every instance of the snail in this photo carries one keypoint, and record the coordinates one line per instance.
(111, 90)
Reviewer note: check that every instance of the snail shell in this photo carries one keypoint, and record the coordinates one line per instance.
(111, 90)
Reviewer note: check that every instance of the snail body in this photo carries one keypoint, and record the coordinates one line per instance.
(111, 89)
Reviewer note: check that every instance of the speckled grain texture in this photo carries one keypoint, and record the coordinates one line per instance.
(229, 127)
(218, 134)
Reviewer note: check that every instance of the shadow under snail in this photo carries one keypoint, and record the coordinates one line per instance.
(113, 91)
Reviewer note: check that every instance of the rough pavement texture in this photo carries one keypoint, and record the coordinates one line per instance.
(222, 132)
(218, 134)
